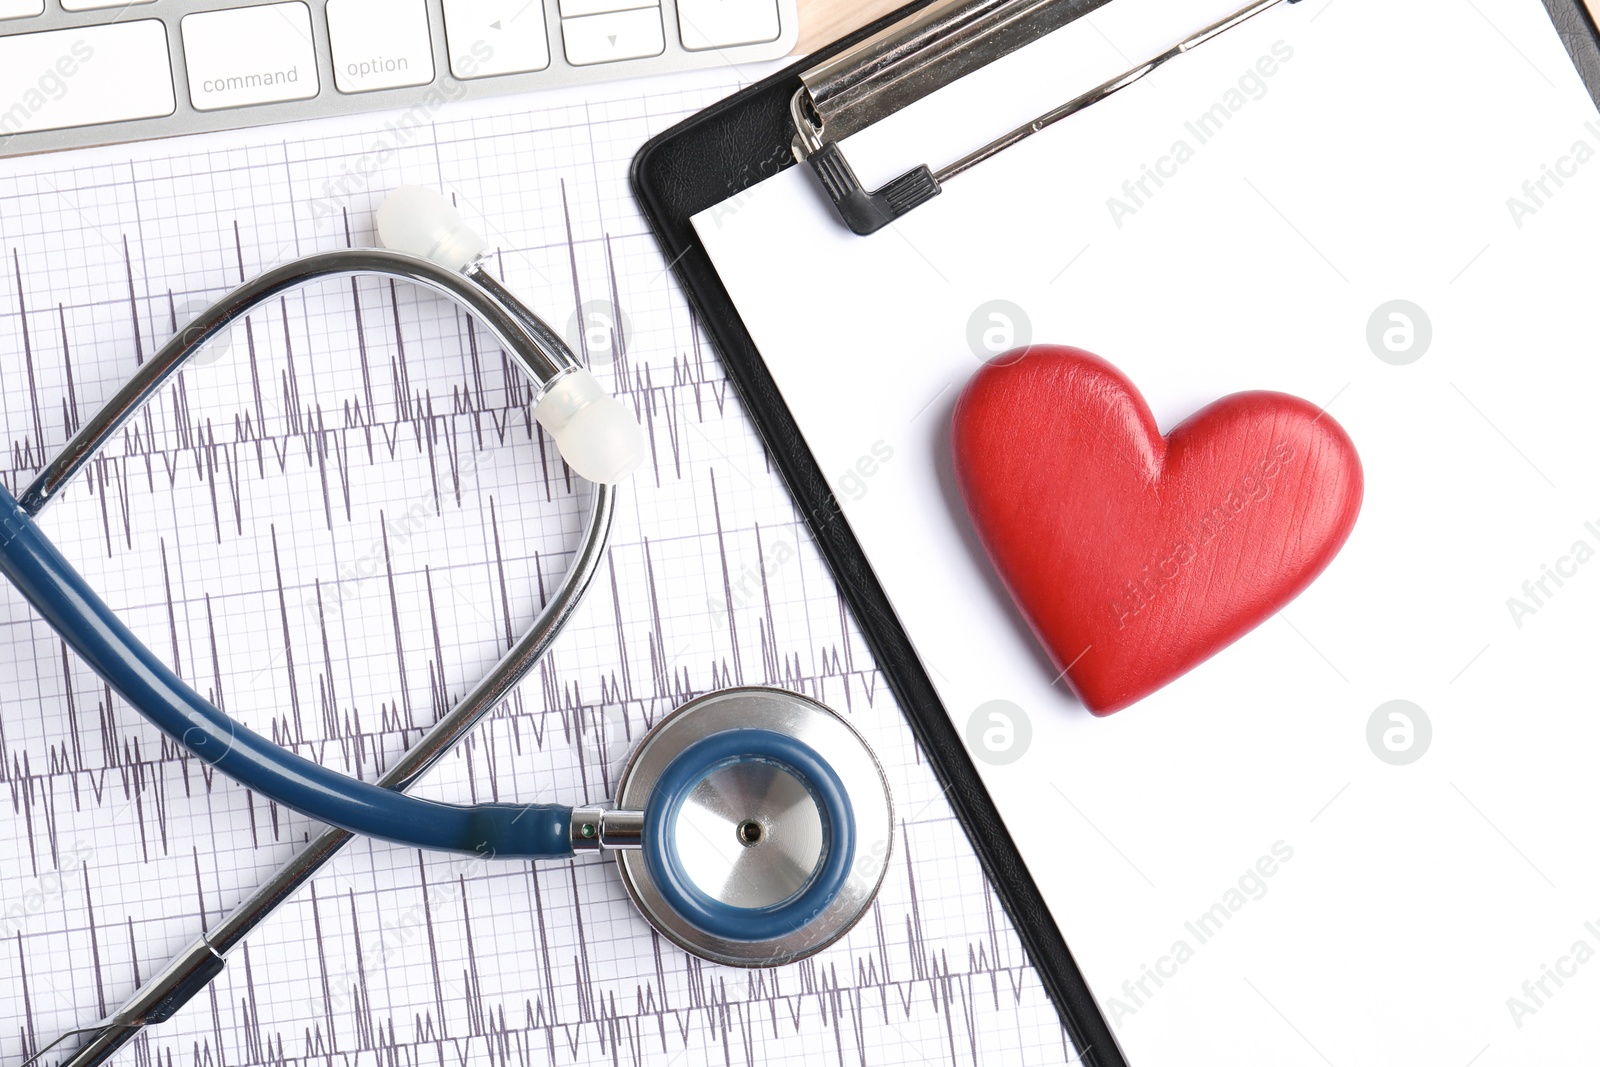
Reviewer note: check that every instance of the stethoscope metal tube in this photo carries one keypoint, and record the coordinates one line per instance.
(542, 354)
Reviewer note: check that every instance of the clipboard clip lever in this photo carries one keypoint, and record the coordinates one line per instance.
(923, 53)
(864, 212)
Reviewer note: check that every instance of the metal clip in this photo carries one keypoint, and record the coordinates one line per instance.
(925, 53)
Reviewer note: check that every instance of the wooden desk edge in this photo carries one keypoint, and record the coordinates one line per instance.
(825, 21)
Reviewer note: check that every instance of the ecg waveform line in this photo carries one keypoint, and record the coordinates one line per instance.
(342, 621)
(888, 981)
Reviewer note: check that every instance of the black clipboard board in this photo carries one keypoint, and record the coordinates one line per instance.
(726, 149)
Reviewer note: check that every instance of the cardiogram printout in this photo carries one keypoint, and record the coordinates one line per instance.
(332, 526)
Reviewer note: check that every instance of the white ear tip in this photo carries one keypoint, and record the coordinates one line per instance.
(422, 222)
(598, 437)
(603, 444)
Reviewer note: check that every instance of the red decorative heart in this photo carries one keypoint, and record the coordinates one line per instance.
(1136, 557)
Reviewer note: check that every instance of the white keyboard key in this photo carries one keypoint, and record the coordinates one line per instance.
(20, 9)
(706, 24)
(609, 38)
(379, 44)
(250, 55)
(84, 77)
(96, 5)
(490, 37)
(574, 8)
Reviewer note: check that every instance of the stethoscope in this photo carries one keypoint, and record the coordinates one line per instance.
(750, 826)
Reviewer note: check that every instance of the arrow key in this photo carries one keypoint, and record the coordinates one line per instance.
(490, 37)
(613, 36)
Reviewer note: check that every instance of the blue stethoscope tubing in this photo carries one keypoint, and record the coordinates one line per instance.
(61, 596)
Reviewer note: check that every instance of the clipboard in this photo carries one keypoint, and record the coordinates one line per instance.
(737, 144)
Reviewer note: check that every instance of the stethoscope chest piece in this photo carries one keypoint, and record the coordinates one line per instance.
(767, 827)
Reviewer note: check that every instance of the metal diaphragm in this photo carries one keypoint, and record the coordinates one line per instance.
(772, 826)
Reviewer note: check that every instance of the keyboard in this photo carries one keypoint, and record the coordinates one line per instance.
(84, 72)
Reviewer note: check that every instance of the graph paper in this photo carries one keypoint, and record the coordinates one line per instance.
(332, 525)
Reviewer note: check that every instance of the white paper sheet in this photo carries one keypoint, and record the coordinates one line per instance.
(1441, 152)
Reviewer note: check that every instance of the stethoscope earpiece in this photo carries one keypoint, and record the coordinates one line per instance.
(422, 222)
(598, 437)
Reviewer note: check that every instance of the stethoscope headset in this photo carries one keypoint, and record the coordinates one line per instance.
(750, 826)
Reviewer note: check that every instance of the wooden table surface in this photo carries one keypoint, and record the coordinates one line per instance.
(822, 21)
